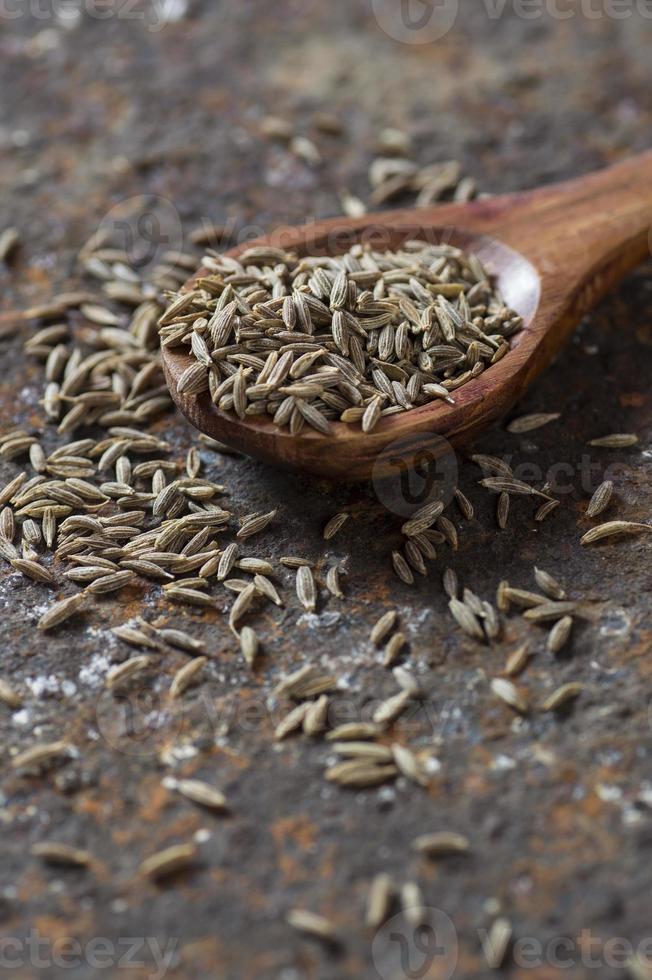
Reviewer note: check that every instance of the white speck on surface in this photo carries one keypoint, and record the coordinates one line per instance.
(645, 794)
(319, 620)
(387, 794)
(42, 687)
(175, 754)
(92, 673)
(617, 622)
(202, 835)
(632, 816)
(21, 717)
(502, 763)
(609, 794)
(432, 764)
(169, 11)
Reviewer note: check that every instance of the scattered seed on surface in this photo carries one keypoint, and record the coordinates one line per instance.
(560, 634)
(527, 423)
(510, 694)
(441, 844)
(169, 861)
(613, 528)
(562, 695)
(600, 499)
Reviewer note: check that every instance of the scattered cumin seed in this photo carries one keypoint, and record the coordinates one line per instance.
(613, 528)
(369, 751)
(255, 525)
(548, 584)
(33, 570)
(545, 509)
(617, 440)
(412, 904)
(314, 720)
(185, 677)
(451, 586)
(124, 671)
(466, 619)
(600, 499)
(333, 582)
(53, 852)
(169, 861)
(312, 924)
(393, 649)
(402, 568)
(389, 710)
(201, 793)
(408, 764)
(464, 504)
(441, 844)
(527, 423)
(502, 510)
(8, 243)
(249, 644)
(291, 562)
(383, 626)
(518, 597)
(559, 634)
(353, 730)
(291, 722)
(360, 774)
(379, 900)
(547, 611)
(510, 694)
(305, 587)
(135, 637)
(562, 695)
(8, 696)
(61, 611)
(492, 464)
(38, 754)
(517, 661)
(334, 525)
(181, 640)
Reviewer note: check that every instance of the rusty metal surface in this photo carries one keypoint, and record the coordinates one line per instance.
(558, 808)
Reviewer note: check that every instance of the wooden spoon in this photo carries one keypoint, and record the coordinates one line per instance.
(554, 252)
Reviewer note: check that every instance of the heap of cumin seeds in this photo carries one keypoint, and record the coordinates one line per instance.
(351, 338)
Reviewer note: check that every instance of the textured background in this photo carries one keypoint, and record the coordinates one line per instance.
(558, 809)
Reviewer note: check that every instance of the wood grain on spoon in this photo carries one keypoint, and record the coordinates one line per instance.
(554, 252)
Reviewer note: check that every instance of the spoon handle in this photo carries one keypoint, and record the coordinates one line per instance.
(582, 235)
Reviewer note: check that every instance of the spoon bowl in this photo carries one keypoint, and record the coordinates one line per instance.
(553, 253)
